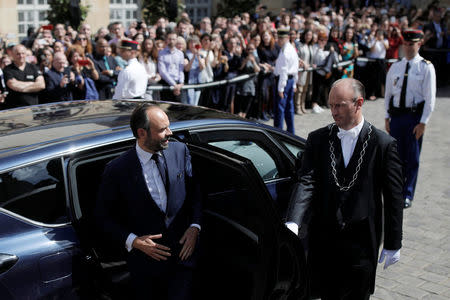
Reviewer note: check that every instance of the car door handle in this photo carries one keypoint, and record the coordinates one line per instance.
(7, 261)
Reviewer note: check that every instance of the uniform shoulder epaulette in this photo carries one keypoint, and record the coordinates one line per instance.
(426, 61)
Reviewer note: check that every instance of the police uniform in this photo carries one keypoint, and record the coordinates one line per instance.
(286, 72)
(132, 81)
(409, 100)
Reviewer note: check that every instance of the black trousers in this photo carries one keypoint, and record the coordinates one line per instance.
(344, 267)
(376, 77)
(175, 283)
(167, 95)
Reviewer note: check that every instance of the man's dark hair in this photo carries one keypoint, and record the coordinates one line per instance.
(139, 118)
(183, 21)
(205, 35)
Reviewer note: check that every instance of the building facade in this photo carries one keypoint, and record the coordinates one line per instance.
(16, 16)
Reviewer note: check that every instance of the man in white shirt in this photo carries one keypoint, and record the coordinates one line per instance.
(350, 177)
(286, 73)
(409, 100)
(132, 81)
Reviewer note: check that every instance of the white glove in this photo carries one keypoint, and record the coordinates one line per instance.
(392, 256)
(292, 227)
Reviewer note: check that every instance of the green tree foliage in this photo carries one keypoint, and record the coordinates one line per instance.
(68, 12)
(230, 8)
(154, 9)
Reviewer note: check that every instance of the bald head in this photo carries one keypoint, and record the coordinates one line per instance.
(59, 61)
(19, 55)
(349, 83)
(346, 99)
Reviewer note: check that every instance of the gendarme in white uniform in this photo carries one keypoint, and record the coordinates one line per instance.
(421, 85)
(132, 81)
(285, 65)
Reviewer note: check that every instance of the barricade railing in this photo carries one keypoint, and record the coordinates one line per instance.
(245, 77)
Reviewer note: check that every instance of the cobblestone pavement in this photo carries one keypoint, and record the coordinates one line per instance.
(423, 271)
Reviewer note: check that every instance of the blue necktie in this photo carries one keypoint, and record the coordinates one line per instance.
(106, 63)
(159, 160)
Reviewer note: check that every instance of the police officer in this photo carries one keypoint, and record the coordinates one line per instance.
(286, 73)
(132, 81)
(409, 100)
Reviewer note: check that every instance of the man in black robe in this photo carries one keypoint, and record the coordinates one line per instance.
(350, 177)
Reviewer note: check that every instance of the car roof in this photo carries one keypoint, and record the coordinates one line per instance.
(38, 131)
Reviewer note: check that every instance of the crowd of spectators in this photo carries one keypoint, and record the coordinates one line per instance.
(57, 63)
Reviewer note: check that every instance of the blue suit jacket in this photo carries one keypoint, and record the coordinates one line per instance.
(125, 205)
(53, 91)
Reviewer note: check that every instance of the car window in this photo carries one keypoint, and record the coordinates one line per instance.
(35, 192)
(263, 162)
(294, 147)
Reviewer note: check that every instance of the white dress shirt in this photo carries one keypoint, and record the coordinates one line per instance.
(285, 65)
(132, 81)
(379, 50)
(348, 140)
(154, 182)
(421, 85)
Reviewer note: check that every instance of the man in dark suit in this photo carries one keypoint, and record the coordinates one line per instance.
(347, 169)
(107, 68)
(59, 81)
(149, 205)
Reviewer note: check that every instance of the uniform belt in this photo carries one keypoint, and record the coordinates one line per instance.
(289, 77)
(395, 111)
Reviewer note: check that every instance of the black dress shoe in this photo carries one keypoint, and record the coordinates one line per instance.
(408, 203)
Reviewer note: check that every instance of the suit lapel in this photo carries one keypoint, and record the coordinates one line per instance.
(170, 167)
(337, 150)
(174, 203)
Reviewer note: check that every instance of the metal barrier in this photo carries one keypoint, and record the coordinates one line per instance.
(249, 76)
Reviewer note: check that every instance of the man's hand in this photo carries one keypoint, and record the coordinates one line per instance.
(419, 130)
(72, 77)
(64, 81)
(108, 72)
(387, 125)
(281, 94)
(177, 89)
(188, 240)
(392, 256)
(147, 245)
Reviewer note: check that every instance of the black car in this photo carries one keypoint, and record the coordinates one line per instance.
(51, 162)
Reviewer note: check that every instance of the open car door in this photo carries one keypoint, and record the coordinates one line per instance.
(246, 251)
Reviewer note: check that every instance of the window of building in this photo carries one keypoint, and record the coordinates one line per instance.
(35, 192)
(124, 11)
(198, 9)
(31, 13)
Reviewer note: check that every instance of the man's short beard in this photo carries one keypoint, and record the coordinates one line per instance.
(156, 146)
